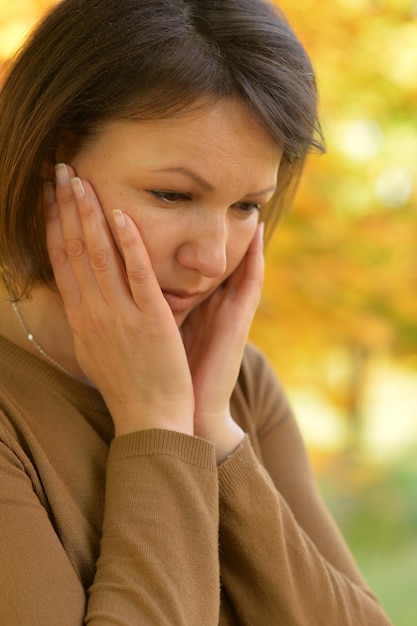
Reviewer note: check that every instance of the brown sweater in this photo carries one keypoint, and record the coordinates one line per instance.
(145, 530)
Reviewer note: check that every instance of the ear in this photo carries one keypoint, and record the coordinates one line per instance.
(47, 168)
(48, 162)
(62, 150)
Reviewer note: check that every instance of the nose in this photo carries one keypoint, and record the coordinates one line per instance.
(204, 247)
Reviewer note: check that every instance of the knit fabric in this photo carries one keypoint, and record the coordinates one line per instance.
(145, 529)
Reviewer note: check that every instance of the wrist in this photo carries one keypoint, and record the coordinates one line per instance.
(126, 427)
(222, 430)
(130, 418)
(231, 439)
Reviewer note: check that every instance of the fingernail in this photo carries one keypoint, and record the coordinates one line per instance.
(49, 192)
(119, 218)
(262, 229)
(77, 187)
(62, 175)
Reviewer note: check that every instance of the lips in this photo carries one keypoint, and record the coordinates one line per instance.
(181, 300)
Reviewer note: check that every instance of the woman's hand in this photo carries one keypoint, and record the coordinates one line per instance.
(214, 335)
(125, 336)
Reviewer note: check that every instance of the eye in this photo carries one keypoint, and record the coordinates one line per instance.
(168, 197)
(247, 207)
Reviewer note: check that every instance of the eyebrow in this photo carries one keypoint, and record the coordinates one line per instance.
(204, 184)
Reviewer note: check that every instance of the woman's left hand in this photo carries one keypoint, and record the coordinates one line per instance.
(214, 335)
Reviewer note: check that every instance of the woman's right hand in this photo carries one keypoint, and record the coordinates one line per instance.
(125, 337)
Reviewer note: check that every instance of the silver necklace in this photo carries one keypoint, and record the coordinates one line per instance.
(33, 341)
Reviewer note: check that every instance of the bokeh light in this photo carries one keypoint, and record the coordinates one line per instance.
(338, 318)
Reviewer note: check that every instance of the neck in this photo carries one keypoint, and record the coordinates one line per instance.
(44, 317)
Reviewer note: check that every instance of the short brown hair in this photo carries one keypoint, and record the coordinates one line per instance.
(94, 60)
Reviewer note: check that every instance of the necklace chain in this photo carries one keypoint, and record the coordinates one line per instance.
(33, 341)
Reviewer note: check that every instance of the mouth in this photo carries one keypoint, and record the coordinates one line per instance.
(180, 301)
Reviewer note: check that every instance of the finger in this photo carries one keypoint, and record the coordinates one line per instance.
(61, 266)
(142, 281)
(106, 268)
(95, 259)
(75, 245)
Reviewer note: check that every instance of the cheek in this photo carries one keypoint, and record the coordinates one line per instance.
(160, 237)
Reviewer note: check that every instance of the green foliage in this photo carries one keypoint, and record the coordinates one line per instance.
(376, 508)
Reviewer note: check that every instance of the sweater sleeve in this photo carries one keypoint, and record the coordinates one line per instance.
(38, 584)
(160, 526)
(272, 571)
(283, 560)
(158, 562)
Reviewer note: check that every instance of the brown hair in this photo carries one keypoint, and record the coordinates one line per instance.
(94, 60)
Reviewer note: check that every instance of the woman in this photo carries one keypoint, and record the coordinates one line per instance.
(151, 469)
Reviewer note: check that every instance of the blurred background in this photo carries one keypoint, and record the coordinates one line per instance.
(338, 319)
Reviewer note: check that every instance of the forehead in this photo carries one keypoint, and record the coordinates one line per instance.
(225, 130)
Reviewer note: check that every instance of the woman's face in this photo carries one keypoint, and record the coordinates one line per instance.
(192, 184)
